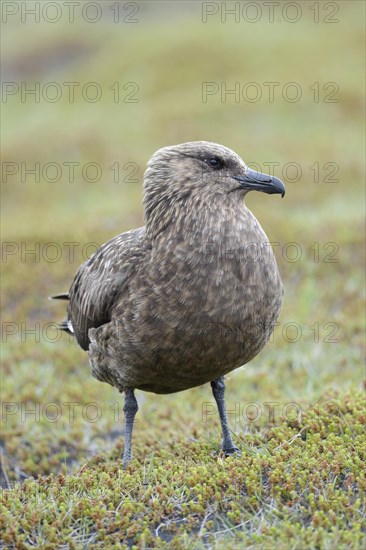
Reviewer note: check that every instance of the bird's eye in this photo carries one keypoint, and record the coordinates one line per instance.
(214, 162)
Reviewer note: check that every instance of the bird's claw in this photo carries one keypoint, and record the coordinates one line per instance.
(232, 451)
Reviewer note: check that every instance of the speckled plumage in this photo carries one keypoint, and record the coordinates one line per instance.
(192, 295)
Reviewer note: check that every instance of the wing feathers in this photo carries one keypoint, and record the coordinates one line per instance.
(100, 281)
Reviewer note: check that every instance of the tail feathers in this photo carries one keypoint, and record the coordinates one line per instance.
(64, 296)
(66, 325)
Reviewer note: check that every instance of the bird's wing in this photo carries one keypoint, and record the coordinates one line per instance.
(100, 280)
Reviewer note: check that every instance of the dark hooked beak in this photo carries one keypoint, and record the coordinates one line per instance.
(257, 181)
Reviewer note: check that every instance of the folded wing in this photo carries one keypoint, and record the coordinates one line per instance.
(99, 282)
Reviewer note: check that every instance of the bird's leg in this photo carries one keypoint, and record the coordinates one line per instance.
(130, 409)
(218, 390)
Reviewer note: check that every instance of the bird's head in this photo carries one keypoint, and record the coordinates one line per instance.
(201, 169)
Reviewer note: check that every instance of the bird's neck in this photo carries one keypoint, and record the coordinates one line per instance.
(199, 221)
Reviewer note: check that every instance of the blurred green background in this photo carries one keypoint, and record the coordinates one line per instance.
(158, 58)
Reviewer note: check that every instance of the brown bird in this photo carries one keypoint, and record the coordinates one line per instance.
(190, 296)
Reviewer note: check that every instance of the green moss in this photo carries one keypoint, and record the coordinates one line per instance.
(300, 492)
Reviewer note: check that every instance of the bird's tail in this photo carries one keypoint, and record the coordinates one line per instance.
(66, 325)
(64, 296)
